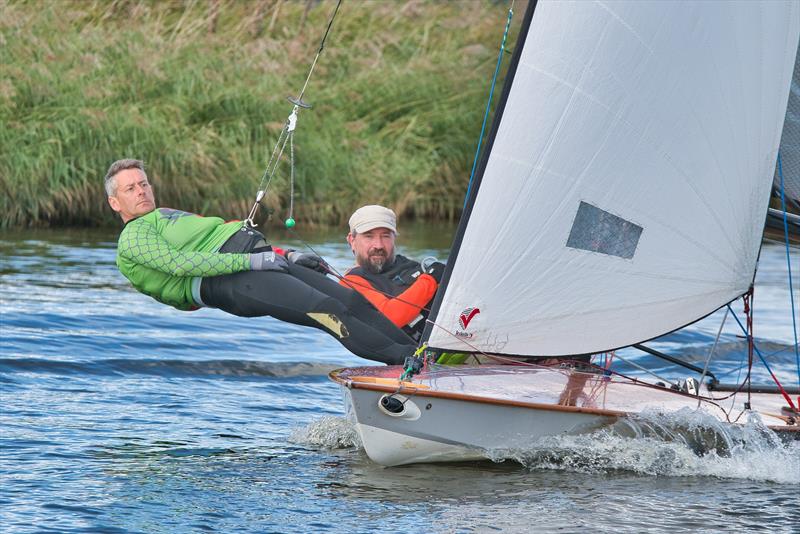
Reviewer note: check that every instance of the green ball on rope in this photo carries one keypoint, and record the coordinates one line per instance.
(289, 223)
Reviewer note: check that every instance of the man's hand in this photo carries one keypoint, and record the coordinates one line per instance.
(268, 261)
(308, 260)
(436, 270)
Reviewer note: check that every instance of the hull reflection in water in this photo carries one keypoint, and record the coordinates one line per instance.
(512, 409)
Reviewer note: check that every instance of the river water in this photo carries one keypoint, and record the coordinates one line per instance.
(122, 415)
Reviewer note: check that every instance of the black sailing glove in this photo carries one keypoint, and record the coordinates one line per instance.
(268, 261)
(436, 270)
(308, 260)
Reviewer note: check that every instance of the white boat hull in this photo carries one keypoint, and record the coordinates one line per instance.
(445, 430)
(506, 409)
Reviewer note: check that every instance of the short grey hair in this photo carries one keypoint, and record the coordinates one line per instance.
(116, 168)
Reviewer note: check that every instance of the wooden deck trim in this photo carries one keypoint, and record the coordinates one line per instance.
(404, 390)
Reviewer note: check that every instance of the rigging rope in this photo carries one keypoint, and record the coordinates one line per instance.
(287, 135)
(763, 360)
(748, 315)
(711, 352)
(743, 365)
(648, 371)
(489, 101)
(789, 268)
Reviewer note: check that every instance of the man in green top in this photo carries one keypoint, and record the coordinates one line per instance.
(188, 261)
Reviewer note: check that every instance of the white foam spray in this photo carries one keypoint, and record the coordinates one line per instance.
(329, 432)
(683, 443)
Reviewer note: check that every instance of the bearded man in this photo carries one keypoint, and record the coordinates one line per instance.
(400, 288)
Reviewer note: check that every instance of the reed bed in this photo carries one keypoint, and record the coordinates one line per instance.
(197, 89)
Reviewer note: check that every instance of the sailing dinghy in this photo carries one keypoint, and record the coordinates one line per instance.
(621, 196)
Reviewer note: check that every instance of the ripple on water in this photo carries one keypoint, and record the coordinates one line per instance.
(164, 367)
(119, 414)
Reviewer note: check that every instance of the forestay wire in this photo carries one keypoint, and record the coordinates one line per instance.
(489, 100)
(287, 135)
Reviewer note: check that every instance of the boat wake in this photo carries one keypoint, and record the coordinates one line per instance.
(683, 443)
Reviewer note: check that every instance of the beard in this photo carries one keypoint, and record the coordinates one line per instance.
(375, 260)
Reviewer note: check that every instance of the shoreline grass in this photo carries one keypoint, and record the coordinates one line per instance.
(197, 89)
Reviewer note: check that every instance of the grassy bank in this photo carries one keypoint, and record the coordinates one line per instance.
(197, 89)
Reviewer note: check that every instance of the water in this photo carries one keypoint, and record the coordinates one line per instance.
(122, 415)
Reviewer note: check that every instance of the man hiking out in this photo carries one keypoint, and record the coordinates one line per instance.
(400, 288)
(188, 261)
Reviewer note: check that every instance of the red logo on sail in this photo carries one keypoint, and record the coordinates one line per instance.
(466, 316)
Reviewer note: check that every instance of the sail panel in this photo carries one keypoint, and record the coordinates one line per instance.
(790, 146)
(658, 123)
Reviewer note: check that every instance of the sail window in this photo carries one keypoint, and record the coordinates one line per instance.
(596, 230)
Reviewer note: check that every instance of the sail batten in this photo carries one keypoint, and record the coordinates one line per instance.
(628, 176)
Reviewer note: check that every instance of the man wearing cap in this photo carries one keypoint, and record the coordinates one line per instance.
(188, 261)
(398, 287)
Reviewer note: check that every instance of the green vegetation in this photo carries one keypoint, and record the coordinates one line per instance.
(197, 90)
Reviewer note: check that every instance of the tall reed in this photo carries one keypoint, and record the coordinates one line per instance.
(197, 90)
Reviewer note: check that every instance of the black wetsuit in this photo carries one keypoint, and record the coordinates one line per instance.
(305, 297)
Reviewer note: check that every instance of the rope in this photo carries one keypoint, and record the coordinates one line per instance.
(606, 371)
(319, 52)
(711, 352)
(287, 134)
(764, 361)
(750, 343)
(272, 166)
(332, 271)
(291, 182)
(648, 371)
(789, 268)
(489, 101)
(742, 366)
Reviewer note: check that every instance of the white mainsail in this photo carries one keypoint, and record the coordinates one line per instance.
(626, 187)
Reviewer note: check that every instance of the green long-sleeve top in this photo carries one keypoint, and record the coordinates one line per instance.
(163, 251)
